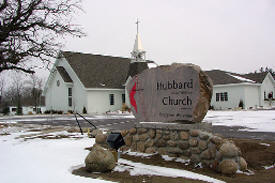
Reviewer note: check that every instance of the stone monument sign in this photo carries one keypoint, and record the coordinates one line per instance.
(175, 93)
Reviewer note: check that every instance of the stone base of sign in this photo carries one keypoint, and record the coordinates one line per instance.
(188, 141)
(207, 127)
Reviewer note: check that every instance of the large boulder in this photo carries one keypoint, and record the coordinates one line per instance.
(177, 92)
(229, 150)
(243, 164)
(228, 167)
(100, 160)
(95, 132)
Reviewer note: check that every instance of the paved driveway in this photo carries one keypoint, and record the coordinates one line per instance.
(118, 122)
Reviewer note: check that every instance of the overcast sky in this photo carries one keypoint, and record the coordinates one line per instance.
(231, 35)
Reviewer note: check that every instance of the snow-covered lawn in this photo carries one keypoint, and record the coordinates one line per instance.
(26, 157)
(40, 160)
(256, 121)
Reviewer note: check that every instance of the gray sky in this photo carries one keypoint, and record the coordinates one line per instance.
(231, 35)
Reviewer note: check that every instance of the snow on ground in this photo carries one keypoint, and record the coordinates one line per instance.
(265, 144)
(136, 169)
(25, 158)
(254, 121)
(40, 160)
(269, 167)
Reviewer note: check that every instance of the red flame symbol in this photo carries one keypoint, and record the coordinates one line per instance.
(132, 97)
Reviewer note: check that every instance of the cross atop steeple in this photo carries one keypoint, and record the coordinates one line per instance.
(138, 54)
(137, 22)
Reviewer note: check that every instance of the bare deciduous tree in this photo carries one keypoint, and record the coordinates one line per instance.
(15, 91)
(34, 90)
(2, 86)
(30, 28)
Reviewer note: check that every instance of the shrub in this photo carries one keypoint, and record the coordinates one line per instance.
(84, 110)
(211, 107)
(70, 112)
(124, 107)
(19, 111)
(241, 104)
(47, 112)
(6, 110)
(52, 112)
(59, 112)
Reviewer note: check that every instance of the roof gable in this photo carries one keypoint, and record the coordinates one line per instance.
(65, 76)
(97, 71)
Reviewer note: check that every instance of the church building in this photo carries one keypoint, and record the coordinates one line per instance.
(94, 83)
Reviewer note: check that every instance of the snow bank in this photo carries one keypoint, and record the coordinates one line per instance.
(41, 160)
(136, 169)
(255, 121)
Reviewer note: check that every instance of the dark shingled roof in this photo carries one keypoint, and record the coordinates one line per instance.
(65, 76)
(137, 67)
(97, 71)
(222, 77)
(257, 77)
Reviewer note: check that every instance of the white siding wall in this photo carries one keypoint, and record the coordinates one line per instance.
(78, 90)
(99, 101)
(235, 94)
(251, 96)
(57, 98)
(127, 99)
(267, 86)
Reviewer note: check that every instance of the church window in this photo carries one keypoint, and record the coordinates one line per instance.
(70, 99)
(123, 98)
(217, 97)
(112, 99)
(223, 96)
(70, 93)
(58, 83)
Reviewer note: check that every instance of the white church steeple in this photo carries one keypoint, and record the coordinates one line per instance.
(138, 54)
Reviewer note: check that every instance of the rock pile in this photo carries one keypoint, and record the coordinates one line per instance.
(199, 146)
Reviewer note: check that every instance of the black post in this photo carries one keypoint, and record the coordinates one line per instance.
(78, 124)
(87, 120)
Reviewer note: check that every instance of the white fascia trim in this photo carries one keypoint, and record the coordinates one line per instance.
(237, 84)
(51, 76)
(271, 77)
(69, 84)
(104, 89)
(127, 81)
